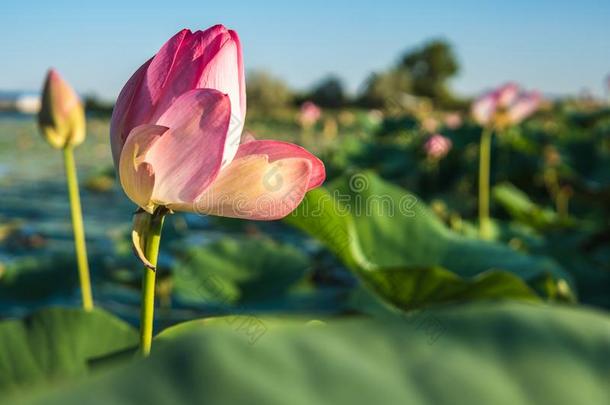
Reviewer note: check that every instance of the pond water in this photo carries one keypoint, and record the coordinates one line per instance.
(34, 194)
(35, 212)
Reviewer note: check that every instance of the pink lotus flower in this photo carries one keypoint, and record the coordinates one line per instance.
(309, 114)
(504, 106)
(437, 146)
(507, 94)
(525, 106)
(176, 136)
(484, 108)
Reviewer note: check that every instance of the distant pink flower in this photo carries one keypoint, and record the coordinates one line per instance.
(507, 94)
(525, 106)
(506, 105)
(176, 136)
(453, 120)
(309, 114)
(437, 146)
(484, 108)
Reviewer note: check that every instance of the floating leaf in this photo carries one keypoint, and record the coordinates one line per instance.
(239, 270)
(375, 227)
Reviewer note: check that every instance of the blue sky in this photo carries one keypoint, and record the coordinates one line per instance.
(559, 46)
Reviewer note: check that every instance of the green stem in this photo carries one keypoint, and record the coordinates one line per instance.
(152, 238)
(484, 164)
(561, 202)
(79, 230)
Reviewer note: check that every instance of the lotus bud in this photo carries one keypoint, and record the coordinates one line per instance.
(437, 147)
(453, 120)
(62, 116)
(309, 114)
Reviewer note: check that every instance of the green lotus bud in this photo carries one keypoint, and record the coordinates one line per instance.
(62, 116)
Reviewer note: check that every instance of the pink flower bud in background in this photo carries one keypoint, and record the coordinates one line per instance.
(309, 114)
(453, 120)
(437, 146)
(62, 117)
(176, 136)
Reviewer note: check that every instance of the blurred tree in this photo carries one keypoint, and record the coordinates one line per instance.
(383, 90)
(430, 67)
(329, 93)
(266, 92)
(93, 105)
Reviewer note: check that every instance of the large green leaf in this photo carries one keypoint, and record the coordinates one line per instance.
(523, 209)
(239, 270)
(482, 354)
(55, 344)
(372, 226)
(413, 288)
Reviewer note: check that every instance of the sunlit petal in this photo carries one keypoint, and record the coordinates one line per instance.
(252, 187)
(276, 150)
(136, 174)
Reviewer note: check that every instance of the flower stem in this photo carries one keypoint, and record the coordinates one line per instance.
(79, 231)
(484, 164)
(152, 238)
(562, 203)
